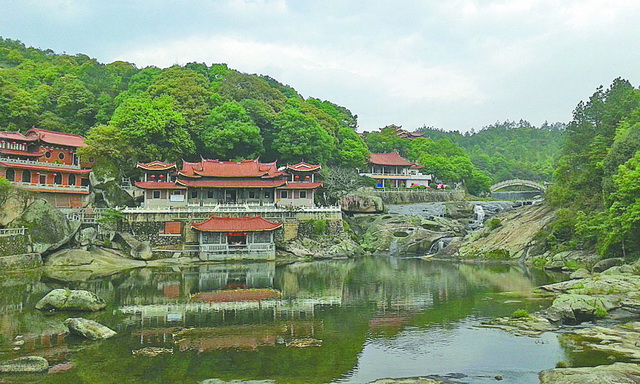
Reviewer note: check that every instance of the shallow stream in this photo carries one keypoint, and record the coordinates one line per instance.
(350, 321)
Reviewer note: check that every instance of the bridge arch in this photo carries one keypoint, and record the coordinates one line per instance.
(518, 182)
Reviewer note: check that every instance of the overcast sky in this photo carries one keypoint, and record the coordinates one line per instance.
(452, 64)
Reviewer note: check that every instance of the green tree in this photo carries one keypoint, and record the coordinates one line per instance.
(230, 133)
(298, 137)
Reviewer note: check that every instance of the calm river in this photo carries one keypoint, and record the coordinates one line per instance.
(336, 322)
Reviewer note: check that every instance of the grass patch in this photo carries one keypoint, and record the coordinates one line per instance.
(493, 223)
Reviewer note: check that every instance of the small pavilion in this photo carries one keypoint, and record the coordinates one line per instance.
(248, 237)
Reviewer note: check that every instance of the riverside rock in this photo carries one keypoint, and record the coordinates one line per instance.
(27, 364)
(89, 328)
(575, 309)
(605, 264)
(405, 234)
(71, 300)
(618, 373)
(48, 227)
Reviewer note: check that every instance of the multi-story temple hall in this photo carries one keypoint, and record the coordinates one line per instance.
(215, 182)
(46, 163)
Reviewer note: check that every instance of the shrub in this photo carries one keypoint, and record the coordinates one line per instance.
(600, 312)
(520, 314)
(493, 223)
(561, 364)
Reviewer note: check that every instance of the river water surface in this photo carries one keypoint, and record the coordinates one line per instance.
(351, 321)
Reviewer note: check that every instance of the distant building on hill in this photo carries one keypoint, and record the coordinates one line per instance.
(214, 182)
(390, 170)
(46, 163)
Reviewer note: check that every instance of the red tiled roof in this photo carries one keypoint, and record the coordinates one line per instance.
(236, 224)
(291, 185)
(217, 168)
(416, 166)
(156, 166)
(157, 185)
(391, 158)
(302, 167)
(46, 169)
(16, 136)
(57, 138)
(21, 153)
(231, 183)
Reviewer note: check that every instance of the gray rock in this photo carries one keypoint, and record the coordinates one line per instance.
(89, 328)
(27, 364)
(617, 373)
(410, 380)
(48, 227)
(71, 300)
(362, 202)
(218, 381)
(575, 309)
(139, 250)
(581, 273)
(605, 264)
(86, 236)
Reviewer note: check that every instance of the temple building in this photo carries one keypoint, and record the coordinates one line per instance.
(46, 163)
(390, 170)
(215, 182)
(249, 237)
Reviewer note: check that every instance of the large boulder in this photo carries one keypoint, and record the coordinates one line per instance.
(80, 265)
(89, 328)
(139, 250)
(362, 202)
(406, 234)
(86, 236)
(618, 373)
(71, 300)
(27, 364)
(605, 264)
(575, 309)
(47, 226)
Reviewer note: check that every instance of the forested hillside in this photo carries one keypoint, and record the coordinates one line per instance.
(131, 114)
(597, 181)
(182, 112)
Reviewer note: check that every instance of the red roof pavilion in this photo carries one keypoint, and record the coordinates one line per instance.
(57, 138)
(236, 224)
(156, 166)
(304, 167)
(391, 158)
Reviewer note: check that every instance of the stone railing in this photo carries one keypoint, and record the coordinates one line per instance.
(6, 232)
(229, 208)
(39, 163)
(52, 187)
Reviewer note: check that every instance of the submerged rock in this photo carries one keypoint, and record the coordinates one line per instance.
(618, 373)
(410, 380)
(151, 352)
(533, 325)
(27, 364)
(89, 328)
(71, 300)
(620, 340)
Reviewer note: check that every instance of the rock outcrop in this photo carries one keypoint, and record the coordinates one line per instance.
(576, 309)
(139, 250)
(27, 364)
(362, 201)
(71, 300)
(88, 328)
(322, 239)
(514, 239)
(405, 234)
(48, 228)
(80, 265)
(618, 373)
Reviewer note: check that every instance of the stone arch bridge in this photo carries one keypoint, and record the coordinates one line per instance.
(517, 183)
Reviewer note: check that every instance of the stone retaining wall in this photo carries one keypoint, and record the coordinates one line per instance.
(418, 196)
(14, 245)
(25, 261)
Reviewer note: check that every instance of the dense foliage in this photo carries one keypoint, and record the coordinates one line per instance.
(510, 150)
(130, 114)
(597, 181)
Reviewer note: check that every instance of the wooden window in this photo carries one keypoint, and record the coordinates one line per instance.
(72, 179)
(172, 228)
(194, 193)
(252, 194)
(210, 194)
(156, 195)
(303, 194)
(26, 176)
(10, 174)
(284, 194)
